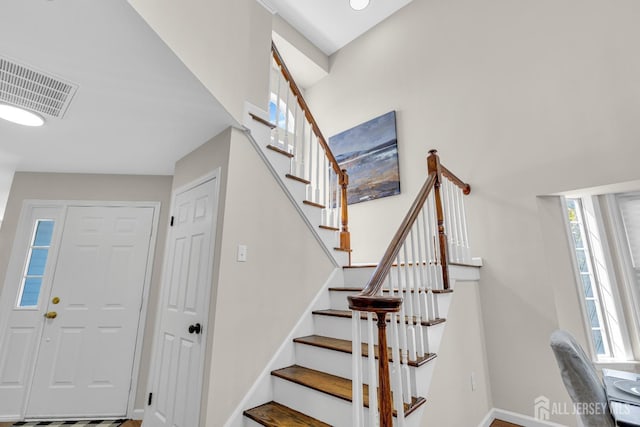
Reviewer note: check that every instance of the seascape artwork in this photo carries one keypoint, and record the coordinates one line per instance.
(369, 153)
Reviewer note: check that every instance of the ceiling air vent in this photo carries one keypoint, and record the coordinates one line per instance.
(33, 90)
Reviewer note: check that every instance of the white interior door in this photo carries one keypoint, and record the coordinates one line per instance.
(85, 359)
(179, 346)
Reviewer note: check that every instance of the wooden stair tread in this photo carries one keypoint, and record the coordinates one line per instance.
(280, 151)
(345, 346)
(310, 203)
(363, 315)
(297, 178)
(358, 289)
(263, 121)
(327, 227)
(335, 386)
(274, 414)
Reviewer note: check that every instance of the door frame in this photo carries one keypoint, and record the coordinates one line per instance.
(16, 266)
(213, 175)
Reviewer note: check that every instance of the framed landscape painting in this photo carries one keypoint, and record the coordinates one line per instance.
(369, 153)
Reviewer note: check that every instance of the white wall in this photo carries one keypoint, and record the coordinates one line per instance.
(225, 44)
(258, 302)
(521, 99)
(64, 186)
(461, 353)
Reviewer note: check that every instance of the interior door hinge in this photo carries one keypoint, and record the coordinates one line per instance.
(150, 399)
(171, 223)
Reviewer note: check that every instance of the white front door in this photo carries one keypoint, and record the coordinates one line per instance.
(179, 347)
(84, 364)
(88, 265)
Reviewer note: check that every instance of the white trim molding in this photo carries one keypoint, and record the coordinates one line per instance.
(513, 417)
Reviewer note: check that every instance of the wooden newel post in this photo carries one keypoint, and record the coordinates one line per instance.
(345, 236)
(433, 165)
(385, 402)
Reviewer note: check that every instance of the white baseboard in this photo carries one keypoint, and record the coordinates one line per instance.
(513, 417)
(137, 414)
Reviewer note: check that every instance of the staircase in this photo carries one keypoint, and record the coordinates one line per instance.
(334, 374)
(317, 390)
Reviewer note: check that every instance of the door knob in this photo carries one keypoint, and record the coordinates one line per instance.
(51, 315)
(195, 329)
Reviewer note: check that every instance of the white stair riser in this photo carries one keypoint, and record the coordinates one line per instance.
(361, 275)
(250, 423)
(338, 327)
(423, 377)
(316, 404)
(329, 238)
(435, 336)
(357, 276)
(333, 362)
(339, 301)
(296, 188)
(444, 302)
(325, 360)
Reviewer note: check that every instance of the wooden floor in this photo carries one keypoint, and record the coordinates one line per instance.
(126, 424)
(496, 423)
(500, 423)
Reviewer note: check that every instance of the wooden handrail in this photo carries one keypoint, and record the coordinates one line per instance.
(368, 299)
(343, 176)
(466, 188)
(307, 112)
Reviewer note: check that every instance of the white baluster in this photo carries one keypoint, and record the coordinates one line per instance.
(374, 418)
(295, 137)
(396, 372)
(459, 223)
(323, 191)
(285, 140)
(465, 230)
(317, 162)
(428, 237)
(406, 384)
(356, 368)
(411, 332)
(415, 300)
(448, 223)
(424, 278)
(338, 197)
(312, 165)
(276, 130)
(303, 148)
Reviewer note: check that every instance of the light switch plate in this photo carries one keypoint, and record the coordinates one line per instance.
(242, 253)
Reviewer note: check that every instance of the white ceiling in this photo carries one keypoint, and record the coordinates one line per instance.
(137, 110)
(331, 24)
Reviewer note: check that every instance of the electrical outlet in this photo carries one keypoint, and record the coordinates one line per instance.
(242, 253)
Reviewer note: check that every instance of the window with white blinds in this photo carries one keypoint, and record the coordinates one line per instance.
(629, 206)
(603, 291)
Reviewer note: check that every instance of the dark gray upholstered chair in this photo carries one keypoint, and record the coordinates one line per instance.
(581, 380)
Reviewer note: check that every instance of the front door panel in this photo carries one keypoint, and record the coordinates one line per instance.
(85, 361)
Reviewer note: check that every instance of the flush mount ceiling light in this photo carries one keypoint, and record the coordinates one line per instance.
(20, 116)
(358, 4)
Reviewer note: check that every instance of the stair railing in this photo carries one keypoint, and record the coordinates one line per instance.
(413, 269)
(295, 133)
